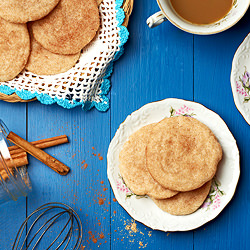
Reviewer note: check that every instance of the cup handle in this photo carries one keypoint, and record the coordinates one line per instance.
(156, 19)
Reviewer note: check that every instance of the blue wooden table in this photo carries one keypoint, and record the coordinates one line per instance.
(157, 64)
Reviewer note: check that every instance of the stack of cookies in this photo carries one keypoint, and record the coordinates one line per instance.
(173, 162)
(45, 37)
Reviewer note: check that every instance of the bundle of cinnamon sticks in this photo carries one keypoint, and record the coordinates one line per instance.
(19, 156)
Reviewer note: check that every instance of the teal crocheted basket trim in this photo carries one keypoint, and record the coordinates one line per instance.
(105, 86)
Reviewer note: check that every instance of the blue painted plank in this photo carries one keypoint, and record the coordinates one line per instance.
(157, 64)
(212, 66)
(86, 186)
(12, 214)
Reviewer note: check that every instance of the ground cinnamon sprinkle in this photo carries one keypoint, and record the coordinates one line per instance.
(82, 247)
(100, 157)
(101, 235)
(100, 201)
(114, 199)
(73, 156)
(99, 198)
(94, 239)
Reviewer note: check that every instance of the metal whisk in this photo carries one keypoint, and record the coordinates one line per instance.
(28, 236)
(4, 130)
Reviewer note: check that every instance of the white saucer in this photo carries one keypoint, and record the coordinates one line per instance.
(240, 78)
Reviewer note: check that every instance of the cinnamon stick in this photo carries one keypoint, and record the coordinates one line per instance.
(44, 143)
(18, 155)
(18, 159)
(3, 175)
(47, 159)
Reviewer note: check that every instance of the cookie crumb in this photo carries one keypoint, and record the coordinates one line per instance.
(134, 227)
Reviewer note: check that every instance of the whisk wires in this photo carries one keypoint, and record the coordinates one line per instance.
(22, 241)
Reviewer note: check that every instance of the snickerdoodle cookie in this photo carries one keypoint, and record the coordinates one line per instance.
(184, 202)
(43, 62)
(182, 153)
(23, 11)
(14, 49)
(133, 166)
(69, 27)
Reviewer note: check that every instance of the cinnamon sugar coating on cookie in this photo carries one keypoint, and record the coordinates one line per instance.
(182, 153)
(133, 166)
(69, 27)
(185, 202)
(23, 11)
(14, 49)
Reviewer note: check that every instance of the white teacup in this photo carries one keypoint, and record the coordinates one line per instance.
(168, 13)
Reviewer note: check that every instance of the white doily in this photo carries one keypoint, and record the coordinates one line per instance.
(86, 83)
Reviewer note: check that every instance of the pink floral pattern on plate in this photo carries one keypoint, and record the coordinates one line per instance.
(182, 111)
(243, 86)
(121, 185)
(214, 198)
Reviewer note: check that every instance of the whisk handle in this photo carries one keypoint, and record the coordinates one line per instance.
(42, 156)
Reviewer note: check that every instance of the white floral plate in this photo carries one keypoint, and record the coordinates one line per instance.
(142, 208)
(240, 78)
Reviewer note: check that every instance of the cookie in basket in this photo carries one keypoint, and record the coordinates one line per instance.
(99, 2)
(182, 154)
(185, 202)
(44, 62)
(133, 166)
(69, 27)
(14, 49)
(19, 11)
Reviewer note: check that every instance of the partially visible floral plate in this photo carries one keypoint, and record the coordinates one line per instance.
(240, 78)
(142, 208)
